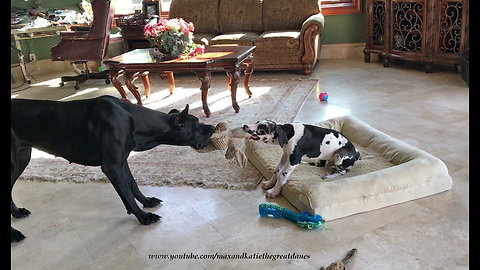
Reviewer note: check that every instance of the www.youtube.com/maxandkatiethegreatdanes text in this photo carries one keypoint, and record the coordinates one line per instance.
(217, 256)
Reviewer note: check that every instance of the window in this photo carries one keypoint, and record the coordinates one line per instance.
(329, 7)
(165, 7)
(124, 7)
(337, 7)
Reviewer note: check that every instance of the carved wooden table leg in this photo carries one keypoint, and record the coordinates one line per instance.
(146, 83)
(229, 81)
(114, 75)
(205, 77)
(171, 81)
(129, 79)
(248, 72)
(234, 75)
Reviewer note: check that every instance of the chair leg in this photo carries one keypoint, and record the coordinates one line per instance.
(77, 70)
(78, 79)
(105, 74)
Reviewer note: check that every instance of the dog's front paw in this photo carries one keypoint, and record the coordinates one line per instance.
(333, 175)
(21, 213)
(272, 193)
(330, 176)
(16, 236)
(149, 218)
(151, 202)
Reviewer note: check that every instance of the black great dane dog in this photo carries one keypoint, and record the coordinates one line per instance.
(98, 132)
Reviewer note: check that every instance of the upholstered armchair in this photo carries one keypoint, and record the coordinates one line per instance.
(90, 44)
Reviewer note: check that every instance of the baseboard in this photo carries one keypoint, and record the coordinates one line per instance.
(343, 50)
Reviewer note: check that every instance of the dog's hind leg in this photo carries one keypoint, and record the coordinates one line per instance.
(147, 202)
(19, 159)
(20, 153)
(281, 180)
(119, 175)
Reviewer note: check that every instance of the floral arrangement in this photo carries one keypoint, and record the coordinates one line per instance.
(173, 37)
(88, 12)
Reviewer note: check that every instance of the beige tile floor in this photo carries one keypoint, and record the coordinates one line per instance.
(85, 226)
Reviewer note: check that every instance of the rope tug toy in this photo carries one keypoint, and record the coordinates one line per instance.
(221, 140)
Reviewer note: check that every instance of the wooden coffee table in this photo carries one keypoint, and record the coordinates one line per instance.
(140, 62)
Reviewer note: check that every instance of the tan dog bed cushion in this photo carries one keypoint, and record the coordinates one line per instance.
(389, 172)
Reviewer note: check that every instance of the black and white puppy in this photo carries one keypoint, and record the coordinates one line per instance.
(300, 142)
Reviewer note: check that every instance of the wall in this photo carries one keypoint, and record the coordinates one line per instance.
(339, 29)
(345, 28)
(30, 4)
(40, 46)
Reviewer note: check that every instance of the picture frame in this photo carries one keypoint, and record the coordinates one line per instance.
(151, 8)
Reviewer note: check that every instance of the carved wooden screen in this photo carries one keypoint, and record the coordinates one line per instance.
(450, 23)
(429, 31)
(408, 26)
(378, 23)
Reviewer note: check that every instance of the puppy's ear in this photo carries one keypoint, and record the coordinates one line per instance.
(173, 111)
(271, 126)
(180, 118)
(281, 136)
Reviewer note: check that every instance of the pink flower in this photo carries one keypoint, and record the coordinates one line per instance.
(155, 30)
(190, 27)
(200, 49)
(196, 49)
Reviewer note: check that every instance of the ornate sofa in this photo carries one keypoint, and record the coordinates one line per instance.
(286, 33)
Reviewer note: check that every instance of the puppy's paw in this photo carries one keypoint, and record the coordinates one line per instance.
(151, 202)
(330, 176)
(149, 218)
(272, 193)
(21, 213)
(333, 175)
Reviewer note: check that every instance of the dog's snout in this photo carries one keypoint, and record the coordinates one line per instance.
(209, 129)
(248, 130)
(199, 146)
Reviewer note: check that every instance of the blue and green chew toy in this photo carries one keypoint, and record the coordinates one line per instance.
(303, 220)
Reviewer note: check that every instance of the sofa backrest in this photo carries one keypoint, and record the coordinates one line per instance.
(203, 14)
(240, 15)
(224, 16)
(287, 14)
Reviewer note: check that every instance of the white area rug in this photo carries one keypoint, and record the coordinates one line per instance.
(278, 100)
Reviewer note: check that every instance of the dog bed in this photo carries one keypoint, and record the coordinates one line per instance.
(389, 172)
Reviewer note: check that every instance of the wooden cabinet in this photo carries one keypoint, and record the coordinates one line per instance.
(429, 31)
(132, 31)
